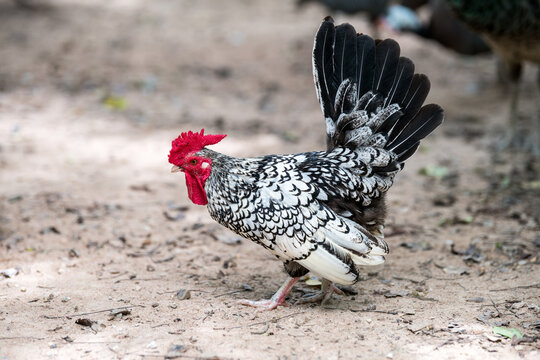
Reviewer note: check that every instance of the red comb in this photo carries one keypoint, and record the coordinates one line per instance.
(190, 142)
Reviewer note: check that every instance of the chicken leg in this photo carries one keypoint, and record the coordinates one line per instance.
(276, 300)
(533, 141)
(327, 290)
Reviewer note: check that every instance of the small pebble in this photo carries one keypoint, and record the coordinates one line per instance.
(175, 351)
(73, 253)
(183, 294)
(10, 272)
(155, 305)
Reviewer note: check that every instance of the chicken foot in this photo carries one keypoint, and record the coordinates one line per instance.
(276, 300)
(327, 290)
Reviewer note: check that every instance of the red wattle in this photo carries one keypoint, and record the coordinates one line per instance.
(195, 188)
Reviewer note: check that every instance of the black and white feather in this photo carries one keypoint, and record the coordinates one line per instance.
(324, 211)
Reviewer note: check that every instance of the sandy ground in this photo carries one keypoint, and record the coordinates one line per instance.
(92, 93)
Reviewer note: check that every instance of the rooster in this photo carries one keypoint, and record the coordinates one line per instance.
(322, 211)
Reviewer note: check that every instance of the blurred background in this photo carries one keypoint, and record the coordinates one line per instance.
(93, 92)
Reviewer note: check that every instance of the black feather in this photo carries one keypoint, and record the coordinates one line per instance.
(428, 118)
(387, 59)
(402, 82)
(392, 167)
(389, 123)
(344, 54)
(323, 64)
(408, 153)
(365, 64)
(416, 95)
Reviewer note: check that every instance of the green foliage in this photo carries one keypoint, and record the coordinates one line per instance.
(435, 171)
(507, 332)
(115, 102)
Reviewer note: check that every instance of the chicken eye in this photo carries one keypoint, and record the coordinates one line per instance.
(193, 162)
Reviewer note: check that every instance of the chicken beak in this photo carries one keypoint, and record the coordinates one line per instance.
(176, 169)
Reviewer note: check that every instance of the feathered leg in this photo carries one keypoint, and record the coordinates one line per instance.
(533, 141)
(511, 139)
(527, 139)
(327, 290)
(276, 300)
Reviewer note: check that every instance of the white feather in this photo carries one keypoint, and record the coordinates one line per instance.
(329, 267)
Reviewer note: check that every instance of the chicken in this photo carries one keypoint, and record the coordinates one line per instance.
(322, 211)
(512, 29)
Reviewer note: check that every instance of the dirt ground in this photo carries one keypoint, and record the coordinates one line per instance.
(92, 220)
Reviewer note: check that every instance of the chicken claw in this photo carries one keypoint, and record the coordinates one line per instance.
(276, 300)
(327, 290)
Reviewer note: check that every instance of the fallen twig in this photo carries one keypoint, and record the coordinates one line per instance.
(447, 342)
(495, 306)
(230, 293)
(537, 285)
(147, 253)
(90, 313)
(198, 357)
(160, 325)
(20, 337)
(138, 279)
(407, 279)
(170, 258)
(179, 332)
(273, 320)
(391, 312)
(95, 342)
(175, 291)
(114, 276)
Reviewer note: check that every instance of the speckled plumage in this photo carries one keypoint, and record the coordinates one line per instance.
(323, 211)
(288, 203)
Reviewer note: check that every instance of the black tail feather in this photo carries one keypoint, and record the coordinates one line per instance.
(323, 65)
(387, 58)
(367, 90)
(389, 123)
(408, 153)
(345, 56)
(428, 118)
(416, 95)
(365, 64)
(402, 82)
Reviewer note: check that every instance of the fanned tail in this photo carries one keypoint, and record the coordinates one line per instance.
(369, 95)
